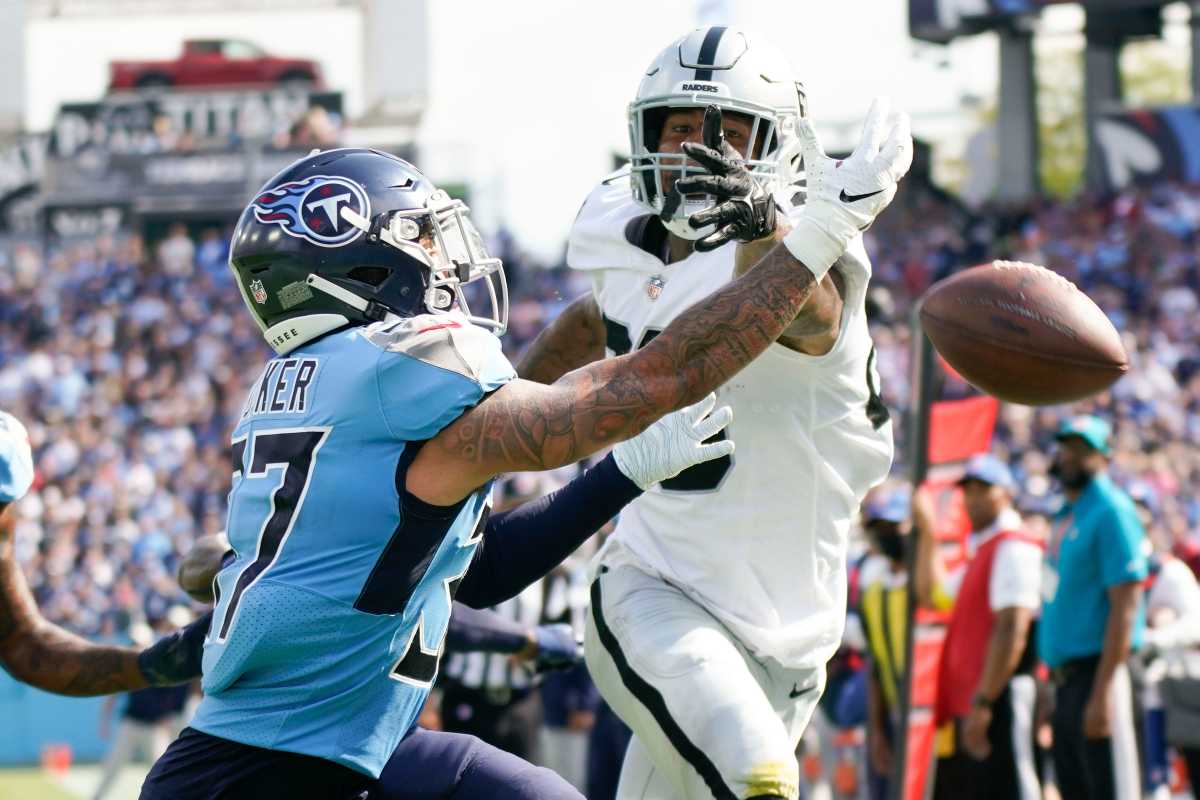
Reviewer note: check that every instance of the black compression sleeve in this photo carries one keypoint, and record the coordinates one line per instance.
(480, 631)
(523, 544)
(176, 658)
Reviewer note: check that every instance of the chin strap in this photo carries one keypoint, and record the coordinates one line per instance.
(368, 308)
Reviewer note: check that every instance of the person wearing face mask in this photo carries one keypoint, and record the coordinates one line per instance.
(884, 612)
(1093, 616)
(986, 688)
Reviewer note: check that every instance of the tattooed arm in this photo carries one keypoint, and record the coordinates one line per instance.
(46, 656)
(574, 339)
(815, 329)
(528, 426)
(43, 655)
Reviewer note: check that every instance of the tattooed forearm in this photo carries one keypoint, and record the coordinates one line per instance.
(575, 338)
(56, 661)
(816, 325)
(717, 337)
(48, 657)
(525, 426)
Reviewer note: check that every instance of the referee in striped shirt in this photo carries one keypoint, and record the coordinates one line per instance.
(492, 695)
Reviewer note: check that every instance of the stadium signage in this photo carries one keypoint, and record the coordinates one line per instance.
(133, 123)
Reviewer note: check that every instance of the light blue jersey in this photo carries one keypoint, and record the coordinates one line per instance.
(329, 624)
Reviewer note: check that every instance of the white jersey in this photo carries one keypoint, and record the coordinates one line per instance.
(758, 539)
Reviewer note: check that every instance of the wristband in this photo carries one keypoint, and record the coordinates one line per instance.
(812, 246)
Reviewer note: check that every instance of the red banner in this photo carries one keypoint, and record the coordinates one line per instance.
(958, 429)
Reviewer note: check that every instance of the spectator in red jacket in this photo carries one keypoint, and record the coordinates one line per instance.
(986, 689)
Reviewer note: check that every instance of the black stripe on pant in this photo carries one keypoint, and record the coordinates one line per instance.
(1010, 770)
(1087, 769)
(654, 702)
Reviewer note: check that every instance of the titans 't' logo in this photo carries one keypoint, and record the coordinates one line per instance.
(311, 209)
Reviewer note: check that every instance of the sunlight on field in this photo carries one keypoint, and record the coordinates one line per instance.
(33, 783)
(29, 784)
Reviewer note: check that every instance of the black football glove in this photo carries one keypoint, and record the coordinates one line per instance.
(176, 658)
(744, 210)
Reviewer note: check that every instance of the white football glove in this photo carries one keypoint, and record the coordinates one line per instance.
(844, 197)
(674, 443)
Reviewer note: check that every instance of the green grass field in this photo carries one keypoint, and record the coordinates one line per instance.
(79, 783)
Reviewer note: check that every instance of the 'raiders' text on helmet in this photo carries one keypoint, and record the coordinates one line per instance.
(727, 68)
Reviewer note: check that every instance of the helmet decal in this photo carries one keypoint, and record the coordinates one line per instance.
(310, 209)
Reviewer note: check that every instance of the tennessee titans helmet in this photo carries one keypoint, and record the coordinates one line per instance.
(351, 236)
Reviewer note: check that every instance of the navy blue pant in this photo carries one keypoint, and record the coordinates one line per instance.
(198, 766)
(426, 765)
(434, 765)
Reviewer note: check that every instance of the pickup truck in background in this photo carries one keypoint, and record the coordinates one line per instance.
(215, 62)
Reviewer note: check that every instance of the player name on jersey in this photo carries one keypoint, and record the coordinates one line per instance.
(283, 387)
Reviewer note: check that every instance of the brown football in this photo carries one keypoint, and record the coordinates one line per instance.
(1023, 334)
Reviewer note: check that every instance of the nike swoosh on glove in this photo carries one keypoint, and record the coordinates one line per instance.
(745, 210)
(674, 443)
(845, 197)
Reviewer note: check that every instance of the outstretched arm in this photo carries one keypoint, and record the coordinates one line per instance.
(815, 329)
(527, 426)
(521, 545)
(43, 655)
(573, 339)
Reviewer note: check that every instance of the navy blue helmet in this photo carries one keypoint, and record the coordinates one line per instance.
(350, 236)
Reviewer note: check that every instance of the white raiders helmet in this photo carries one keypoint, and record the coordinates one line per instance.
(726, 68)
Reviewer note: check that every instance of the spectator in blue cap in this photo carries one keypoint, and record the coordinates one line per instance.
(986, 691)
(1092, 618)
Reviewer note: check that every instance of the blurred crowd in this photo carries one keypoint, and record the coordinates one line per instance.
(1138, 256)
(128, 361)
(130, 364)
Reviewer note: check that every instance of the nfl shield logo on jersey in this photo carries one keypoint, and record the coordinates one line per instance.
(258, 291)
(654, 286)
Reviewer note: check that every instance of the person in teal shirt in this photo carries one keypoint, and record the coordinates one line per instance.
(1092, 618)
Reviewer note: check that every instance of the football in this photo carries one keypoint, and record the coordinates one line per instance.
(1023, 333)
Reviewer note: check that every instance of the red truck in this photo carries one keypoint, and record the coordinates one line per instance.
(215, 62)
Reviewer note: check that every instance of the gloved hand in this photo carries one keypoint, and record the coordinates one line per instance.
(200, 566)
(177, 657)
(674, 443)
(845, 197)
(557, 647)
(744, 210)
